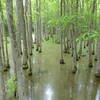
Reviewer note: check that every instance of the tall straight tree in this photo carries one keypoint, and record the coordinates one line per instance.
(98, 59)
(2, 87)
(15, 52)
(75, 6)
(22, 29)
(2, 40)
(62, 34)
(91, 27)
(28, 25)
(38, 25)
(30, 28)
(30, 41)
(97, 73)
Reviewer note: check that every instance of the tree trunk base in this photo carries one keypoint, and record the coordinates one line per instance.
(37, 49)
(21, 53)
(5, 69)
(97, 74)
(31, 54)
(84, 47)
(66, 51)
(15, 94)
(29, 73)
(8, 66)
(25, 67)
(93, 53)
(77, 59)
(95, 59)
(33, 46)
(83, 55)
(74, 70)
(40, 51)
(62, 61)
(47, 38)
(90, 65)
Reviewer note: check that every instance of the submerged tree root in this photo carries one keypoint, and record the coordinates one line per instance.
(31, 54)
(62, 61)
(30, 72)
(90, 65)
(97, 74)
(74, 70)
(8, 66)
(95, 59)
(25, 66)
(5, 68)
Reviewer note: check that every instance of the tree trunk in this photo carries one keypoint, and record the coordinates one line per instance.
(2, 87)
(91, 40)
(98, 59)
(15, 52)
(22, 29)
(62, 35)
(30, 28)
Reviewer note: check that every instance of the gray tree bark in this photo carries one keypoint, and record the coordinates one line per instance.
(15, 52)
(22, 29)
(2, 86)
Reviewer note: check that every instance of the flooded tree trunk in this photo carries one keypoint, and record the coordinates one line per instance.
(74, 54)
(80, 49)
(2, 46)
(2, 37)
(30, 28)
(5, 53)
(2, 86)
(28, 24)
(18, 37)
(15, 52)
(98, 59)
(6, 50)
(91, 40)
(22, 29)
(75, 10)
(62, 35)
(38, 27)
(81, 32)
(30, 41)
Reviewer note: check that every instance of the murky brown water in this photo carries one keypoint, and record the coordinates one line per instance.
(52, 81)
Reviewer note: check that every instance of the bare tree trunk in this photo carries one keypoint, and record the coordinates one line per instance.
(91, 40)
(98, 59)
(37, 23)
(74, 35)
(2, 38)
(30, 28)
(15, 52)
(22, 29)
(2, 86)
(29, 35)
(2, 45)
(62, 35)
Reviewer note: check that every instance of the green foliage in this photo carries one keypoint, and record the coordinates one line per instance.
(11, 85)
(50, 15)
(51, 23)
(88, 35)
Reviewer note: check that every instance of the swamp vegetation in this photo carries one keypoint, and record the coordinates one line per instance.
(49, 49)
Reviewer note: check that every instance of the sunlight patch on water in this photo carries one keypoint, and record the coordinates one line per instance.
(48, 93)
(98, 95)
